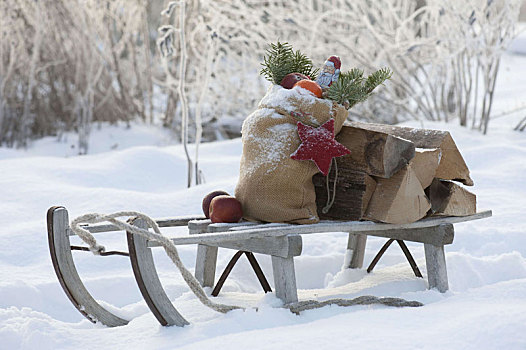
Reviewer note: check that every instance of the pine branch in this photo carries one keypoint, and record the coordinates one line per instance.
(355, 74)
(282, 60)
(351, 87)
(377, 78)
(278, 62)
(302, 64)
(348, 88)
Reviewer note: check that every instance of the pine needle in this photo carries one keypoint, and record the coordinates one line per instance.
(352, 88)
(281, 60)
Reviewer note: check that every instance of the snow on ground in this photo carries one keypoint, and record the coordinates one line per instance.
(485, 307)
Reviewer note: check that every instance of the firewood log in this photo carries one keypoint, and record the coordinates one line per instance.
(374, 152)
(425, 164)
(399, 199)
(353, 191)
(451, 167)
(449, 199)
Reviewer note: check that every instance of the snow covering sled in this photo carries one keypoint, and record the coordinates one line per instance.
(281, 241)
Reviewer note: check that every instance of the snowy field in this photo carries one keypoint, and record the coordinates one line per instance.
(137, 169)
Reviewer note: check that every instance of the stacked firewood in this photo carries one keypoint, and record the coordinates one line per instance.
(395, 175)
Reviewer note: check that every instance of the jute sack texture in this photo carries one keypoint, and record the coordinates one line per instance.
(273, 187)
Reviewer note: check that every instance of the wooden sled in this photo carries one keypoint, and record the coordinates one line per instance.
(281, 241)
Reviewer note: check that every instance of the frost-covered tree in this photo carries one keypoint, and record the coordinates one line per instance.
(430, 46)
(67, 64)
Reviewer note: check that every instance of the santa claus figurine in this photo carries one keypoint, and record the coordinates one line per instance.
(330, 72)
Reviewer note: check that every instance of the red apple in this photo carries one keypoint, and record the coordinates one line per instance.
(208, 198)
(292, 78)
(225, 209)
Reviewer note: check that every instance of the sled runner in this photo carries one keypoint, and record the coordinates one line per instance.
(281, 241)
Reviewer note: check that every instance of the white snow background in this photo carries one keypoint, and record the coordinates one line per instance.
(137, 169)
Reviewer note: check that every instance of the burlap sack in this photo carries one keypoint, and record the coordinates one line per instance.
(273, 187)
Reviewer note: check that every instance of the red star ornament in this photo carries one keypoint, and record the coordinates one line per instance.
(319, 145)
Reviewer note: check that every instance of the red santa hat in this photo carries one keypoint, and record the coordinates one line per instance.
(334, 61)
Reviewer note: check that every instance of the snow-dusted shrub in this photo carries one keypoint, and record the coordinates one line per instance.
(483, 30)
(67, 63)
(444, 54)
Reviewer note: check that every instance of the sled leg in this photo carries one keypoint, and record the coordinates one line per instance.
(62, 259)
(285, 279)
(356, 246)
(436, 267)
(148, 281)
(205, 265)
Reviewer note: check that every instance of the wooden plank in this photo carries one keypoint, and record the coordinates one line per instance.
(352, 193)
(451, 167)
(59, 247)
(283, 246)
(436, 267)
(198, 226)
(256, 226)
(284, 279)
(167, 222)
(225, 226)
(437, 235)
(399, 199)
(205, 265)
(356, 249)
(272, 230)
(148, 281)
(449, 199)
(374, 152)
(367, 227)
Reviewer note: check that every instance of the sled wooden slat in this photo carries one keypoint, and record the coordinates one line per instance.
(244, 226)
(408, 232)
(365, 226)
(282, 245)
(173, 222)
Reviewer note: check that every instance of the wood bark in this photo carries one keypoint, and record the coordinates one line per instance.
(449, 199)
(399, 199)
(375, 152)
(451, 166)
(353, 191)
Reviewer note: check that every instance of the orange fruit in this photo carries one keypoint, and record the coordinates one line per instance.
(310, 85)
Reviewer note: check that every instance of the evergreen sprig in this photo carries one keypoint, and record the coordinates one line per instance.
(377, 78)
(352, 88)
(302, 64)
(281, 60)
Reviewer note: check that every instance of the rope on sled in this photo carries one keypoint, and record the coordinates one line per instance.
(157, 236)
(362, 300)
(190, 280)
